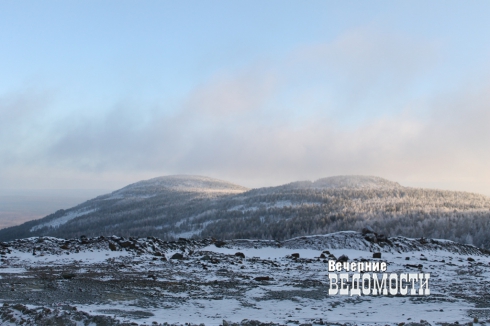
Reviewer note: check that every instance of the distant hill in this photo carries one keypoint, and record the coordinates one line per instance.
(192, 206)
(21, 205)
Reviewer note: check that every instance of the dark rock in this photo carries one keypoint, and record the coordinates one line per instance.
(414, 266)
(177, 256)
(240, 254)
(112, 246)
(343, 259)
(262, 278)
(68, 276)
(381, 238)
(125, 244)
(367, 230)
(371, 237)
(470, 259)
(219, 244)
(295, 255)
(376, 255)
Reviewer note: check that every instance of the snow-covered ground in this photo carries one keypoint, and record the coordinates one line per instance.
(137, 281)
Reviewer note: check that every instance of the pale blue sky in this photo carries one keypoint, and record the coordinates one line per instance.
(98, 94)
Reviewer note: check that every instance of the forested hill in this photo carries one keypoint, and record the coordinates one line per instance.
(190, 206)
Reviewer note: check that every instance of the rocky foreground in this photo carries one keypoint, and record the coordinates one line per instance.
(147, 281)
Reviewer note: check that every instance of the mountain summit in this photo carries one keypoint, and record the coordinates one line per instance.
(356, 182)
(347, 182)
(182, 183)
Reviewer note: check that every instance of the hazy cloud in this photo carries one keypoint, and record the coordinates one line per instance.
(285, 121)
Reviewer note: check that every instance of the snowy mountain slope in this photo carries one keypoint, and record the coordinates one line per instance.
(55, 223)
(184, 206)
(119, 280)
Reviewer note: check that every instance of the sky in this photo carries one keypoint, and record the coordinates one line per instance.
(100, 94)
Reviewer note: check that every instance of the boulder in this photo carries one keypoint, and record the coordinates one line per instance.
(262, 278)
(219, 244)
(371, 237)
(343, 259)
(240, 254)
(367, 230)
(125, 244)
(177, 256)
(376, 255)
(68, 276)
(112, 246)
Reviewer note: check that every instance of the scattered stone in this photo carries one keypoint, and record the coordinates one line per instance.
(376, 255)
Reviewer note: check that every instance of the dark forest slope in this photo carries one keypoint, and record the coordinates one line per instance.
(190, 206)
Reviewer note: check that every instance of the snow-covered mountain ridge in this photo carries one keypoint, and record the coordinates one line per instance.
(191, 206)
